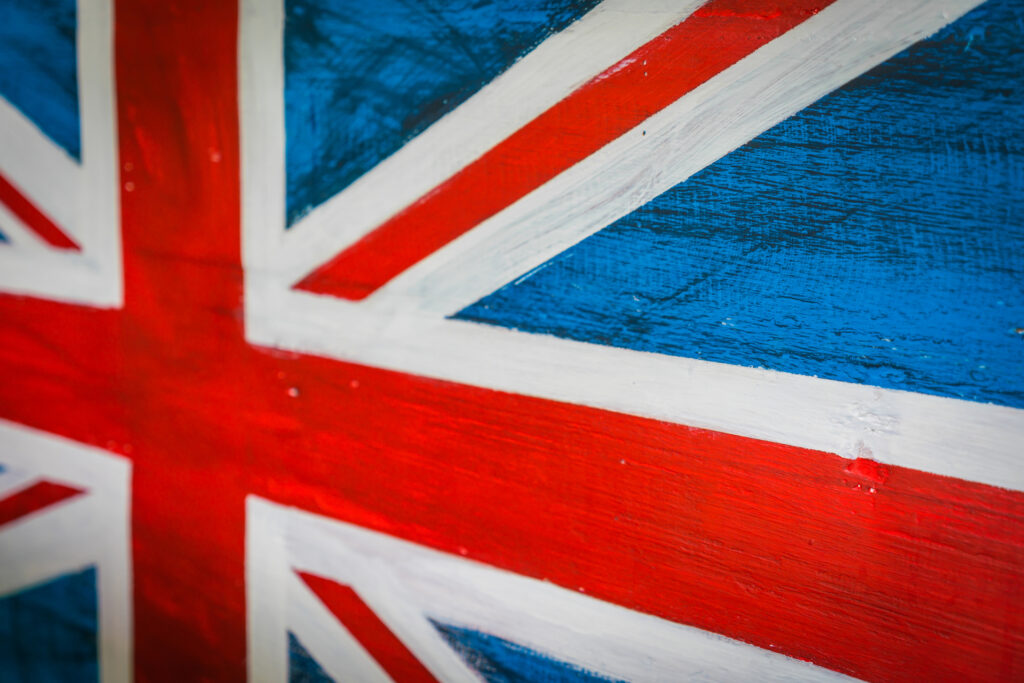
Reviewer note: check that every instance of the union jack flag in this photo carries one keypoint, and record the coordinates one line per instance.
(541, 340)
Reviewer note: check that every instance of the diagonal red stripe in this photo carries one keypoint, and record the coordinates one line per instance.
(712, 39)
(33, 218)
(782, 547)
(40, 495)
(361, 621)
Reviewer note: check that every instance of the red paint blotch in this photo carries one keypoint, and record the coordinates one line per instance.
(871, 470)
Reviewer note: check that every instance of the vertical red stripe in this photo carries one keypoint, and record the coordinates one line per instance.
(361, 621)
(789, 549)
(40, 495)
(709, 41)
(33, 218)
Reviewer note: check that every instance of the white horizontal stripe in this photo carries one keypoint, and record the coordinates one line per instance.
(53, 457)
(58, 274)
(402, 329)
(963, 439)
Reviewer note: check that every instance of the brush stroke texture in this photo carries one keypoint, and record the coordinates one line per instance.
(38, 66)
(302, 668)
(361, 79)
(876, 237)
(48, 633)
(502, 661)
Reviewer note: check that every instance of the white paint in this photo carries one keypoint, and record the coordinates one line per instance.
(963, 439)
(767, 87)
(88, 529)
(14, 479)
(405, 584)
(266, 597)
(20, 234)
(82, 199)
(402, 327)
(599, 39)
(278, 601)
(338, 651)
(51, 177)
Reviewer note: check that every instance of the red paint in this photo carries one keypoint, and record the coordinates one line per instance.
(33, 219)
(38, 496)
(366, 627)
(768, 543)
(874, 472)
(626, 94)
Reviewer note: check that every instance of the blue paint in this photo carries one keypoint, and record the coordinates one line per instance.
(302, 668)
(876, 237)
(502, 661)
(3, 238)
(49, 633)
(38, 66)
(363, 78)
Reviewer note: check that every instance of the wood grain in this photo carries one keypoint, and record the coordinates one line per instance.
(885, 573)
(875, 237)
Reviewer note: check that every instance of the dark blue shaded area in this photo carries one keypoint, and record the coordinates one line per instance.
(362, 78)
(38, 66)
(876, 237)
(302, 668)
(502, 661)
(3, 238)
(49, 633)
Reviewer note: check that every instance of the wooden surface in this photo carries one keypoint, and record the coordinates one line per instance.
(878, 571)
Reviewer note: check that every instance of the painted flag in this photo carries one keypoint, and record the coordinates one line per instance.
(65, 579)
(65, 611)
(778, 220)
(330, 601)
(717, 238)
(59, 235)
(566, 340)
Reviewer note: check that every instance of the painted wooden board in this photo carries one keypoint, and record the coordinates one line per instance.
(40, 68)
(59, 229)
(875, 237)
(443, 617)
(447, 462)
(390, 70)
(65, 610)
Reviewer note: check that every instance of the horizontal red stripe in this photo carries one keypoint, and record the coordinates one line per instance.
(881, 572)
(712, 39)
(372, 633)
(33, 218)
(37, 497)
(918, 580)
